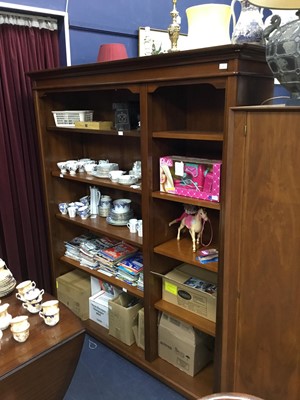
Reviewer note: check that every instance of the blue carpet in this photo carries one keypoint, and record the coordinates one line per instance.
(103, 374)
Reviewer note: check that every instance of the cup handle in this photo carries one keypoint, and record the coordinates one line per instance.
(25, 305)
(18, 296)
(42, 292)
(41, 314)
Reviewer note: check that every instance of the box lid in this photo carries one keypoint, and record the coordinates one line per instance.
(77, 279)
(179, 329)
(190, 276)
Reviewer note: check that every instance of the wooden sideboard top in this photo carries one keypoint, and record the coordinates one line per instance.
(42, 338)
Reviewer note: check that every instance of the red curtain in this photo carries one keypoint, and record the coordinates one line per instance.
(23, 233)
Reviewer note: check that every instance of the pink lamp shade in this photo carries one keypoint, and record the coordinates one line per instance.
(112, 51)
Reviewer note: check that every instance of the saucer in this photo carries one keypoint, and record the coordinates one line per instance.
(111, 221)
(98, 174)
(128, 183)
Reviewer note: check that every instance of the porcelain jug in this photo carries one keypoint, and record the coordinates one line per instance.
(249, 27)
(94, 200)
(209, 25)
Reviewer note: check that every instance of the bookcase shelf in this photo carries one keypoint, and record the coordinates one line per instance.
(190, 318)
(100, 226)
(97, 274)
(184, 99)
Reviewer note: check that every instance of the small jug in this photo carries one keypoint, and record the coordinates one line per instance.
(249, 27)
(94, 200)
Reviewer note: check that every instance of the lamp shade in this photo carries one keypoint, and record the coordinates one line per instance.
(112, 51)
(277, 4)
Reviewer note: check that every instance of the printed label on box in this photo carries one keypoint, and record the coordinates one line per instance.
(171, 288)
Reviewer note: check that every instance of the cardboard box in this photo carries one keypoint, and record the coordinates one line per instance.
(192, 288)
(139, 329)
(98, 308)
(183, 346)
(74, 290)
(97, 125)
(191, 177)
(122, 317)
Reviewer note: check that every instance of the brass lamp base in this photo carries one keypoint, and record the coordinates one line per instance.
(174, 28)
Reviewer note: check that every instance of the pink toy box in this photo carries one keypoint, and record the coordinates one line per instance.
(191, 177)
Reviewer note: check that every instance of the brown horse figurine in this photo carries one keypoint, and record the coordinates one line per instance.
(194, 224)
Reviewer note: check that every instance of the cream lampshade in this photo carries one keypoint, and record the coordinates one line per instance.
(278, 4)
(282, 49)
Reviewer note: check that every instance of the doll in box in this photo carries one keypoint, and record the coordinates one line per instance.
(166, 180)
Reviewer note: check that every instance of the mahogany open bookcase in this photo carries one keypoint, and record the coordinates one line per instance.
(184, 100)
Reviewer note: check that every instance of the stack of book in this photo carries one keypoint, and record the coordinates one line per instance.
(72, 247)
(90, 248)
(109, 258)
(130, 268)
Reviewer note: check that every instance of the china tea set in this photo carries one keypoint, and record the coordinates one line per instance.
(102, 169)
(32, 301)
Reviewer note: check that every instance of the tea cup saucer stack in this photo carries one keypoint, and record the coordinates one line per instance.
(7, 281)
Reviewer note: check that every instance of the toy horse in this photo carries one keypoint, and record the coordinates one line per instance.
(194, 224)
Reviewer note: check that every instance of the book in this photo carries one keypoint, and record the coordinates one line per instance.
(117, 252)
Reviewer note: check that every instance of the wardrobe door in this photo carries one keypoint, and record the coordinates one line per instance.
(261, 265)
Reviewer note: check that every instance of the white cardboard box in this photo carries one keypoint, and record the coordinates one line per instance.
(97, 285)
(183, 346)
(98, 308)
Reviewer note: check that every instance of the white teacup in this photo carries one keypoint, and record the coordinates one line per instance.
(50, 319)
(72, 167)
(90, 167)
(24, 287)
(33, 307)
(132, 225)
(85, 200)
(62, 166)
(115, 175)
(21, 335)
(19, 323)
(72, 211)
(127, 179)
(33, 295)
(82, 162)
(63, 208)
(83, 212)
(50, 307)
